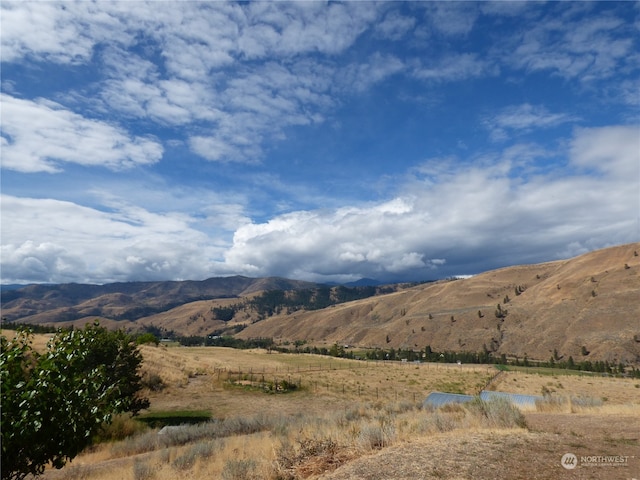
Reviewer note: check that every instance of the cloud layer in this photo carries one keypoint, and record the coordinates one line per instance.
(450, 222)
(323, 141)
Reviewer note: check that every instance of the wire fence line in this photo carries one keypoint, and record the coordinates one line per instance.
(285, 379)
(324, 367)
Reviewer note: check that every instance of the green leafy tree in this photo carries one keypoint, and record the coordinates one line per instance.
(54, 403)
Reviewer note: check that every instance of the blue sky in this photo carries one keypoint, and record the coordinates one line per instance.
(319, 141)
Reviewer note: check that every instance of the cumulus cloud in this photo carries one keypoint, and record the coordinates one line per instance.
(56, 31)
(448, 218)
(228, 80)
(613, 150)
(37, 136)
(197, 64)
(49, 240)
(459, 219)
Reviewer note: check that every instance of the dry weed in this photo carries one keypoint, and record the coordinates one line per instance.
(567, 403)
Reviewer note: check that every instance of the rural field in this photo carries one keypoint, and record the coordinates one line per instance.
(269, 415)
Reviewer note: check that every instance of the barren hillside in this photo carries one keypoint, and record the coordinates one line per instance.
(586, 307)
(178, 303)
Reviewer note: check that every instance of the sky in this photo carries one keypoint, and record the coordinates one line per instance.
(317, 141)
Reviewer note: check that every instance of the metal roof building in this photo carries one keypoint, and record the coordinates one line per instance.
(519, 400)
(437, 399)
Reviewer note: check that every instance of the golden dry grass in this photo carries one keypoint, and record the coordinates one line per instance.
(196, 378)
(612, 391)
(358, 420)
(588, 301)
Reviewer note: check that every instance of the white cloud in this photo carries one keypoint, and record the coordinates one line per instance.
(395, 25)
(591, 49)
(261, 104)
(461, 218)
(193, 64)
(452, 18)
(361, 76)
(230, 79)
(524, 118)
(455, 67)
(62, 32)
(614, 151)
(41, 135)
(296, 27)
(502, 8)
(49, 240)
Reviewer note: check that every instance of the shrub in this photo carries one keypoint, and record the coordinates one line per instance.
(377, 435)
(498, 412)
(239, 470)
(436, 421)
(184, 434)
(185, 461)
(142, 471)
(311, 456)
(153, 382)
(121, 427)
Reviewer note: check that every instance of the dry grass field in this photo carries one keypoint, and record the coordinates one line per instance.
(349, 419)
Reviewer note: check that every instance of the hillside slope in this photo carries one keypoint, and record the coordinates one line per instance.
(587, 307)
(132, 301)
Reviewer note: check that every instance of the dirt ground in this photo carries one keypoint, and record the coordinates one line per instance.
(194, 379)
(530, 454)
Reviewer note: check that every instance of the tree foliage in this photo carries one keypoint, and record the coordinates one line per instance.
(53, 403)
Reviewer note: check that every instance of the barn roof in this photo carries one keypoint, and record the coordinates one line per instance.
(437, 399)
(519, 400)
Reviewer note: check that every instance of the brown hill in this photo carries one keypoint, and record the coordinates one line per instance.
(587, 307)
(133, 301)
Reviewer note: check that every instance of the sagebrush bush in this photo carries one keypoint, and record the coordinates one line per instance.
(121, 427)
(497, 413)
(240, 470)
(142, 471)
(184, 434)
(439, 422)
(376, 435)
(185, 461)
(153, 382)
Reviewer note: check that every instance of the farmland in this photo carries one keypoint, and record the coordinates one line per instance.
(341, 419)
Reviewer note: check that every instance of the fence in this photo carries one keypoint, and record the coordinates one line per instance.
(285, 379)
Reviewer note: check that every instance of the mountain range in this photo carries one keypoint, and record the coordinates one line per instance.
(587, 307)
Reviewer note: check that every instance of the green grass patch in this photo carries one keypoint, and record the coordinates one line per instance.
(174, 417)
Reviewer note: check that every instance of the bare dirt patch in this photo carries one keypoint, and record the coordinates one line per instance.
(535, 453)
